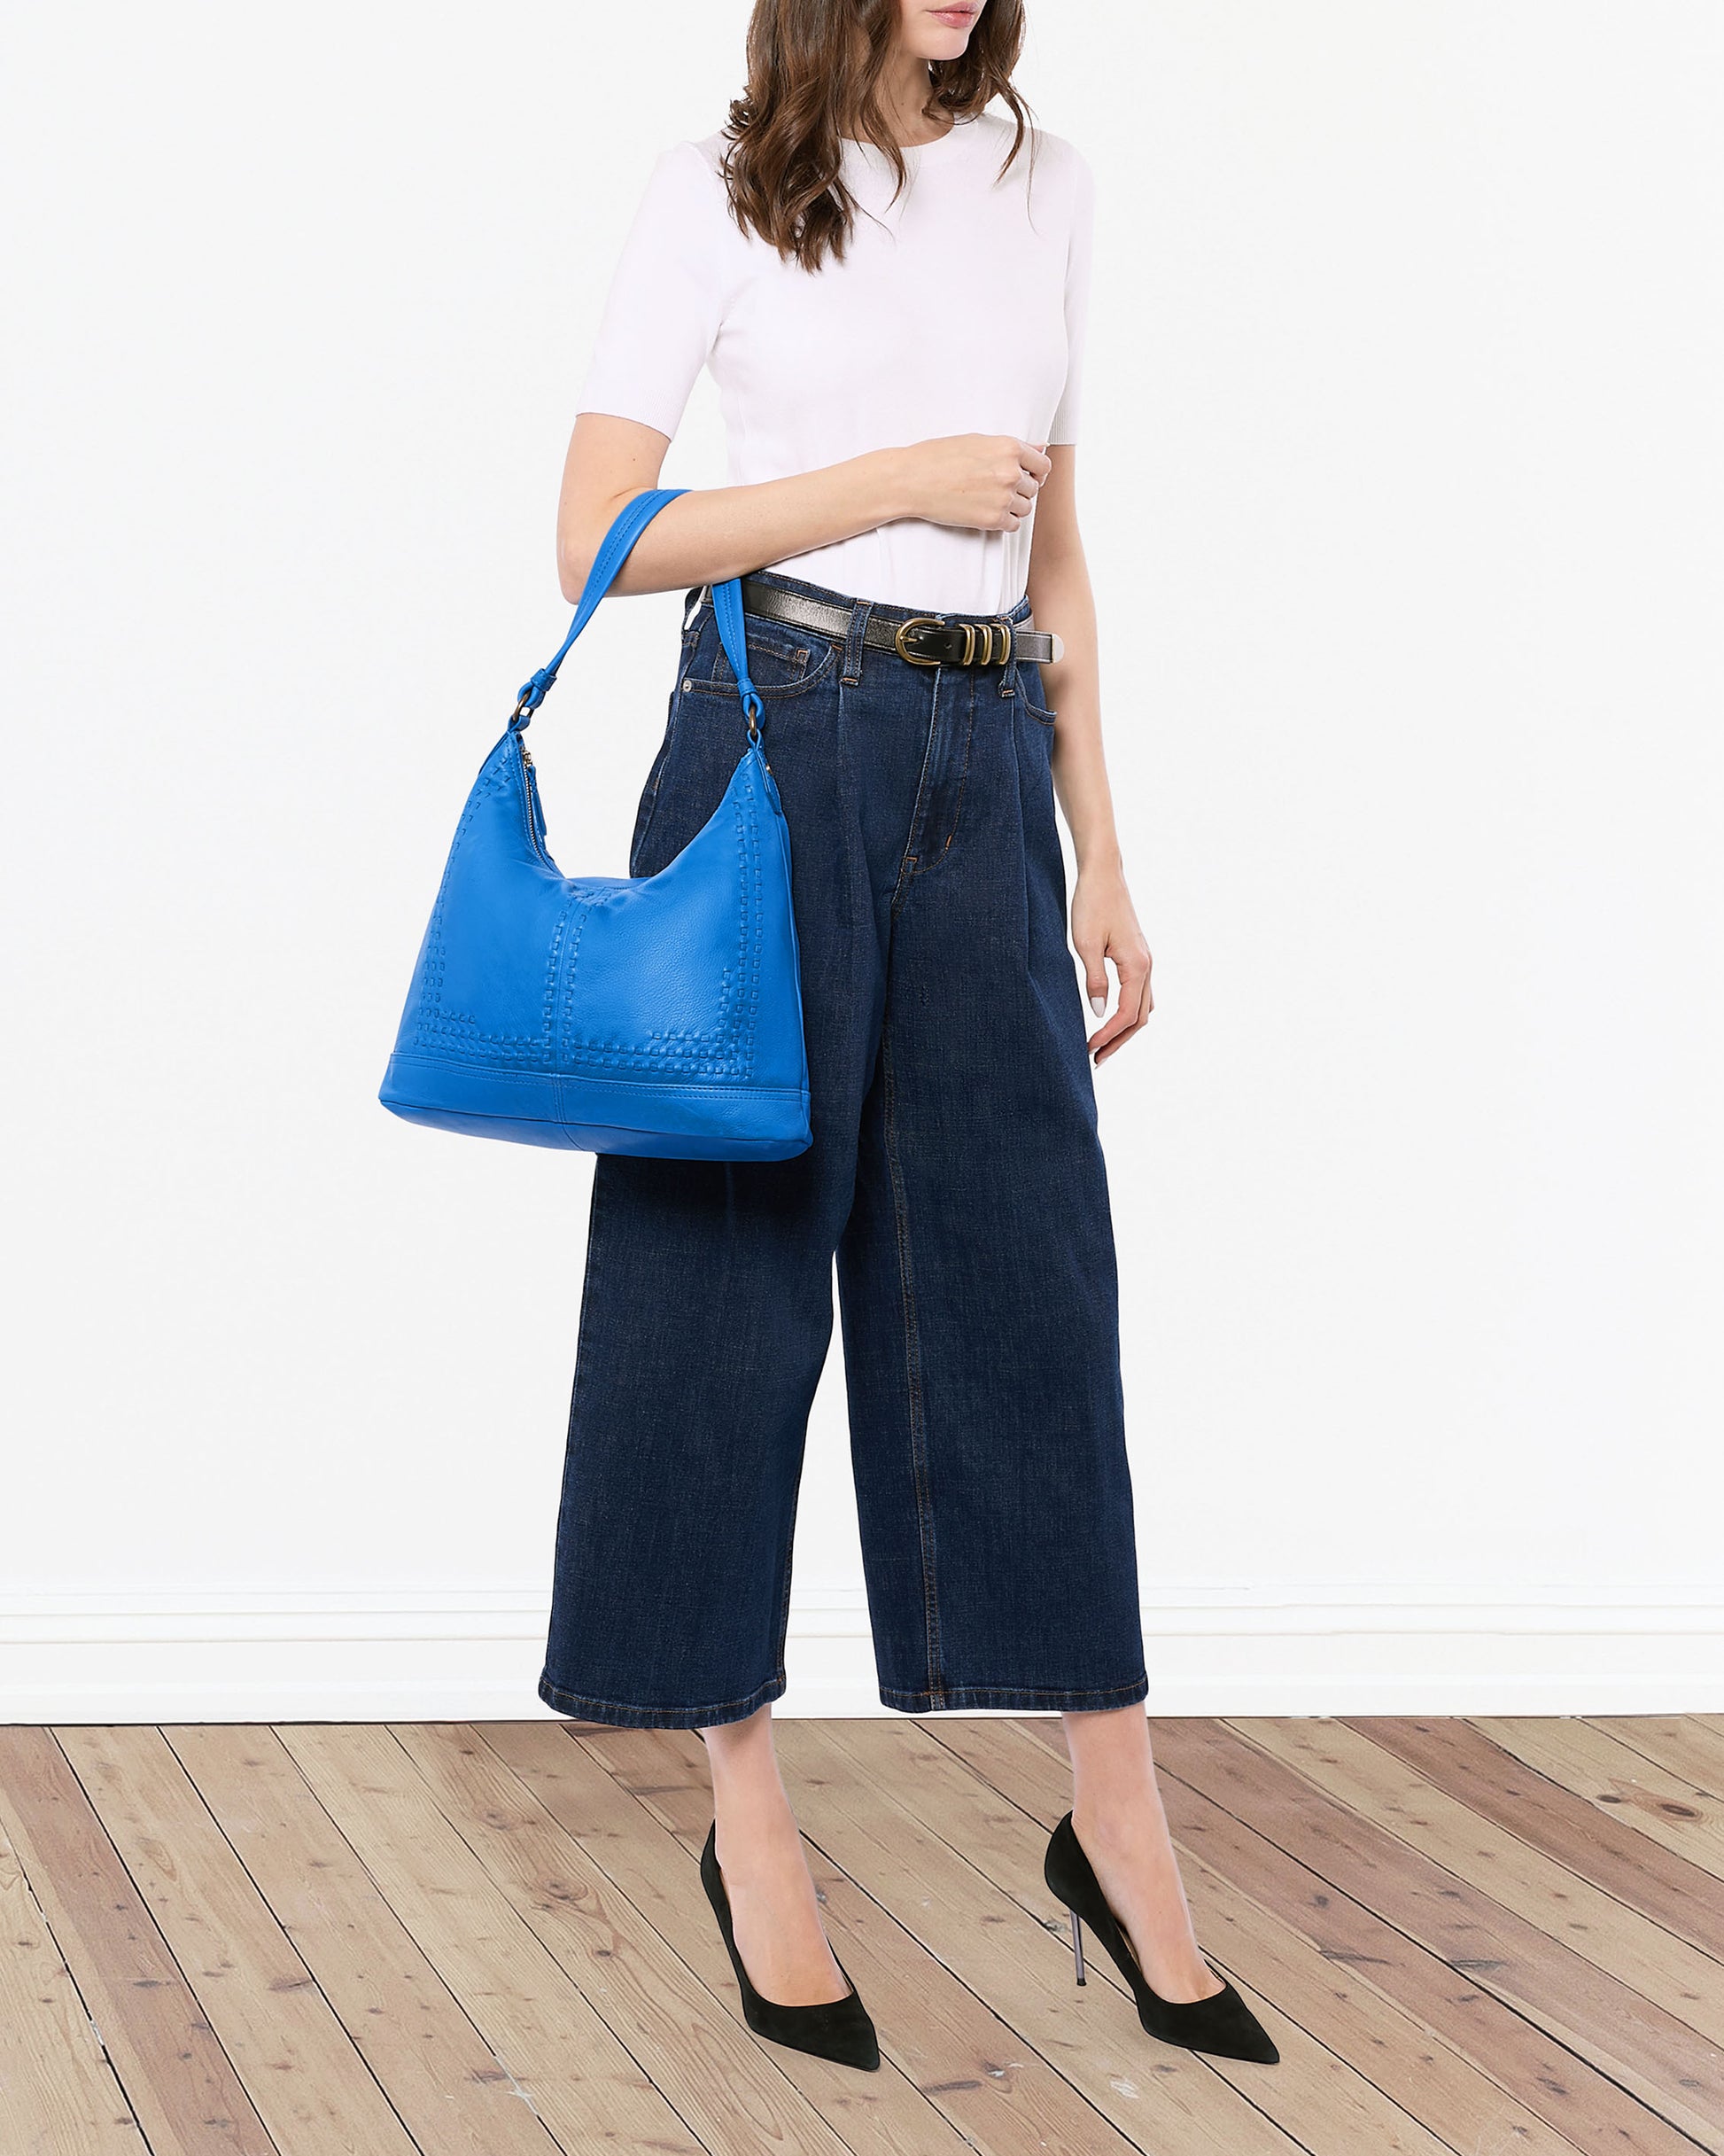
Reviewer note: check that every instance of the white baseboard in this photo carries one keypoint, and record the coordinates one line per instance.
(465, 1654)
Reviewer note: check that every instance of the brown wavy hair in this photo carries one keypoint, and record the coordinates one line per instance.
(813, 82)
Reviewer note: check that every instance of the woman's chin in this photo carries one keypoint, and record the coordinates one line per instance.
(940, 34)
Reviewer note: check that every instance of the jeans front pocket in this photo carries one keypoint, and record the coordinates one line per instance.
(1032, 690)
(782, 661)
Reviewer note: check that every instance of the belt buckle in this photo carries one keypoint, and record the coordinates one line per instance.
(916, 621)
(985, 644)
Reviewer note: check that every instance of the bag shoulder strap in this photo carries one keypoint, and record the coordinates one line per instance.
(728, 611)
(631, 520)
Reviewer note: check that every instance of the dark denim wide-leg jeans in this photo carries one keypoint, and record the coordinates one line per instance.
(957, 1176)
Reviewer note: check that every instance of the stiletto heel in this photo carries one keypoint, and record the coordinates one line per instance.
(1222, 2023)
(839, 2029)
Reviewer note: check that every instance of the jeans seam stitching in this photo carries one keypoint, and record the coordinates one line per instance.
(958, 806)
(916, 1401)
(552, 1693)
(919, 812)
(982, 1695)
(784, 1588)
(589, 1271)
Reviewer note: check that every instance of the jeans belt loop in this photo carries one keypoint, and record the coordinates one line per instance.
(853, 646)
(1009, 664)
(1008, 677)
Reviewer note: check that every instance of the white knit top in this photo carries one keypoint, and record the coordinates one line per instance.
(957, 309)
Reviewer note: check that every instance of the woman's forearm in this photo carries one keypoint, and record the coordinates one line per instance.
(979, 482)
(712, 532)
(718, 532)
(1061, 598)
(1104, 923)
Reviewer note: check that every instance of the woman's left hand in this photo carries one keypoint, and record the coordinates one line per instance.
(1103, 926)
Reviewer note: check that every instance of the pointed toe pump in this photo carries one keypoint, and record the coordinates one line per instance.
(839, 2029)
(1223, 2025)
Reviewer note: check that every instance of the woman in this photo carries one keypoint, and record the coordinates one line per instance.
(888, 280)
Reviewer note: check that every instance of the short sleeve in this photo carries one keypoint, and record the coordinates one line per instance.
(1064, 427)
(667, 295)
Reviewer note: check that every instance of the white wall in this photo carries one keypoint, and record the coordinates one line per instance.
(1401, 480)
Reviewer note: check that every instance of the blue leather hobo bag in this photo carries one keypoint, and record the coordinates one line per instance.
(656, 1015)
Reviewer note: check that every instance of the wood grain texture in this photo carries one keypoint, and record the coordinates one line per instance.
(951, 2043)
(1588, 1841)
(732, 2098)
(872, 2114)
(1630, 1949)
(1684, 1745)
(1619, 1782)
(297, 2063)
(566, 2063)
(58, 2096)
(492, 1940)
(454, 2093)
(1312, 2097)
(1252, 1926)
(1260, 1812)
(181, 2085)
(1677, 2075)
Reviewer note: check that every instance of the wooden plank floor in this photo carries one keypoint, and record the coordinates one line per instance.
(490, 1940)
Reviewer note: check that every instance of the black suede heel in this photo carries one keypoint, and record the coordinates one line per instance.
(838, 2029)
(1223, 2025)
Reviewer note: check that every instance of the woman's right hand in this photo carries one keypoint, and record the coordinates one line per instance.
(981, 482)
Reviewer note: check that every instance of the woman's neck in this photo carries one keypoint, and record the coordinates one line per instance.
(903, 92)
